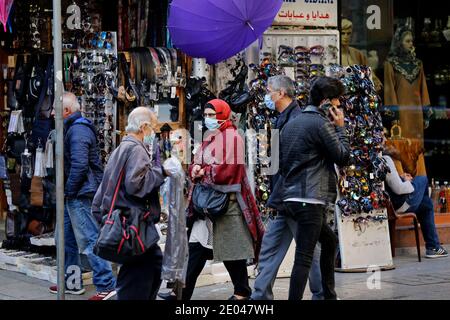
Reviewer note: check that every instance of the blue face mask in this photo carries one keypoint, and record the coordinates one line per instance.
(212, 124)
(269, 102)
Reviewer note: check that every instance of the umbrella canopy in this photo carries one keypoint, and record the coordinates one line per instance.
(5, 8)
(219, 29)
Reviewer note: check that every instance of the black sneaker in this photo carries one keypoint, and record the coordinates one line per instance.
(436, 253)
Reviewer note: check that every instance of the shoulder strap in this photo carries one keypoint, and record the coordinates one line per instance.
(116, 191)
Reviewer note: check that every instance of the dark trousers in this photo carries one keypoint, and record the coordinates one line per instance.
(311, 227)
(140, 279)
(198, 255)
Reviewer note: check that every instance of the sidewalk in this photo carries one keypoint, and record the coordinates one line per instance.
(426, 280)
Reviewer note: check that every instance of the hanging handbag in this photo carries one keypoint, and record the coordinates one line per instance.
(15, 145)
(125, 233)
(15, 224)
(37, 192)
(3, 165)
(43, 123)
(3, 168)
(210, 202)
(14, 183)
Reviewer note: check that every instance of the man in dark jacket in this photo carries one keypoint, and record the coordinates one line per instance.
(310, 146)
(83, 174)
(281, 230)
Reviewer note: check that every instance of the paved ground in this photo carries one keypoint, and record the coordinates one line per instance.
(428, 280)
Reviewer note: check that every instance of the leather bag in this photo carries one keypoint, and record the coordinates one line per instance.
(37, 192)
(125, 233)
(210, 202)
(3, 168)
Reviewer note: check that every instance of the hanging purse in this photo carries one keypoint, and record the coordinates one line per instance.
(125, 233)
(3, 165)
(210, 202)
(37, 192)
(3, 168)
(15, 145)
(14, 183)
(15, 224)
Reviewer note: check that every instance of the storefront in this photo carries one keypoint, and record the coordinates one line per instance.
(111, 63)
(415, 88)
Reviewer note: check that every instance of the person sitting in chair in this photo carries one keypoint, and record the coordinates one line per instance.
(410, 194)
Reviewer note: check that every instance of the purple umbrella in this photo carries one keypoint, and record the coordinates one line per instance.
(219, 29)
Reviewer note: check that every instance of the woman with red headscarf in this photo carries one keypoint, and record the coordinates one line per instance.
(236, 236)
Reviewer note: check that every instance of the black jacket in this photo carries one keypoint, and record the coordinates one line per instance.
(83, 169)
(310, 146)
(291, 112)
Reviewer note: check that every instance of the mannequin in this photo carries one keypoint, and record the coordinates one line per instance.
(351, 56)
(405, 84)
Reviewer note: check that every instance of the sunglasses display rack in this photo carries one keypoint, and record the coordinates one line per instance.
(362, 219)
(91, 74)
(303, 56)
(260, 119)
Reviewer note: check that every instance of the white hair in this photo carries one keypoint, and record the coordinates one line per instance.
(138, 117)
(70, 101)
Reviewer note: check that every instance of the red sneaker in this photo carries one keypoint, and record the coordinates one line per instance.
(105, 295)
(54, 289)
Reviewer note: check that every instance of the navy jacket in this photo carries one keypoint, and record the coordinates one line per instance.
(83, 170)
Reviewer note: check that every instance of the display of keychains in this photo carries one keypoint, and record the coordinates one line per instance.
(361, 183)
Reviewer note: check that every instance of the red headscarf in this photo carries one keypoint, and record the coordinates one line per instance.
(223, 112)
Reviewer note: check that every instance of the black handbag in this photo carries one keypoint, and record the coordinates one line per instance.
(210, 202)
(3, 168)
(125, 233)
(15, 146)
(15, 224)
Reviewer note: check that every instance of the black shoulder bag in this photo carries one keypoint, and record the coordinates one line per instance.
(125, 233)
(210, 202)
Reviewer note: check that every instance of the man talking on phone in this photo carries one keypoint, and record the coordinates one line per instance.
(310, 145)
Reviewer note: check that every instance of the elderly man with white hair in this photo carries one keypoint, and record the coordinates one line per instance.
(83, 172)
(143, 174)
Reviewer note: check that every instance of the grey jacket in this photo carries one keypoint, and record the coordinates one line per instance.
(140, 185)
(310, 146)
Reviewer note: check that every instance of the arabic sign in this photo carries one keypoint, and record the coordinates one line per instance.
(318, 13)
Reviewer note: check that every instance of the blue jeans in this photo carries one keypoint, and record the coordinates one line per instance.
(80, 235)
(275, 245)
(421, 204)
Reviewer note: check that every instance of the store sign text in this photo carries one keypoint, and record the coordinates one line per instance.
(321, 13)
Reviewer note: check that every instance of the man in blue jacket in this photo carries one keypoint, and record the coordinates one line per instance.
(83, 173)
